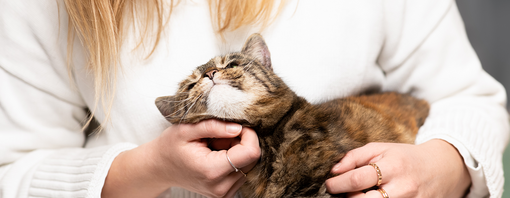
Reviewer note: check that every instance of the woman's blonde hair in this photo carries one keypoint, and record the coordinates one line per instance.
(101, 24)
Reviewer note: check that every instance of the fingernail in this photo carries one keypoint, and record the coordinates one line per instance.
(336, 167)
(233, 128)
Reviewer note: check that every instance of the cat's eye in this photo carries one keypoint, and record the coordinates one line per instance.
(190, 86)
(232, 65)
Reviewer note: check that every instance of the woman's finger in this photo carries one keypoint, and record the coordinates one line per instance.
(223, 143)
(223, 187)
(248, 168)
(354, 180)
(249, 138)
(369, 194)
(360, 157)
(240, 155)
(247, 152)
(235, 187)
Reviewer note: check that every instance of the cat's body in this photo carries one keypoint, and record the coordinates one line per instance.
(300, 142)
(309, 140)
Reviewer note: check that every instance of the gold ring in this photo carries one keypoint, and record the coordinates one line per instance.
(379, 174)
(235, 168)
(383, 193)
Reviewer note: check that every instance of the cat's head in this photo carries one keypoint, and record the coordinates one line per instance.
(239, 87)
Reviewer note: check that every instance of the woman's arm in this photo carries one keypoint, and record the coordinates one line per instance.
(432, 58)
(41, 114)
(427, 53)
(41, 152)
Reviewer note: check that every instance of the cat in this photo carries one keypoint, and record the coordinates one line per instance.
(300, 142)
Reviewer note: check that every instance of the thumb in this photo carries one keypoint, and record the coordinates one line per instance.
(210, 129)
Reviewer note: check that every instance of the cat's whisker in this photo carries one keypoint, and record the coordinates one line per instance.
(170, 115)
(181, 101)
(194, 102)
(184, 106)
(176, 100)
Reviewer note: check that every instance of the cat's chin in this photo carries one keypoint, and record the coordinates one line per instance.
(225, 101)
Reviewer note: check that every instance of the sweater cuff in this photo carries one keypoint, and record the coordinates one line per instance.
(480, 141)
(74, 172)
(479, 184)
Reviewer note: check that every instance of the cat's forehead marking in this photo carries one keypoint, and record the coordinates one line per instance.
(223, 61)
(219, 61)
(233, 56)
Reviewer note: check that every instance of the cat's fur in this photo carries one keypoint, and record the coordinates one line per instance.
(300, 142)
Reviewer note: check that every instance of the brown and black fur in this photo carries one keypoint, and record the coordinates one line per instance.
(300, 142)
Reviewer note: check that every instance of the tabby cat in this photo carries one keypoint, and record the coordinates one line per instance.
(300, 142)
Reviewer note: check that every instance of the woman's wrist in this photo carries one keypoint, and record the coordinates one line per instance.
(134, 173)
(445, 152)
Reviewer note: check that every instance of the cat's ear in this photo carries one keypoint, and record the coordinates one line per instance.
(165, 105)
(256, 47)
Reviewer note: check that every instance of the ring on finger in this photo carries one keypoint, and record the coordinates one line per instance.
(383, 193)
(231, 164)
(379, 174)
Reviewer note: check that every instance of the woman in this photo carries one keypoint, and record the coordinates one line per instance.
(122, 55)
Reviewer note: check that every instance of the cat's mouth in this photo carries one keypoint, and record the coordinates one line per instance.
(217, 84)
(216, 81)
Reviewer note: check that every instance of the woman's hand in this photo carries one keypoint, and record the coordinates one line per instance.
(181, 157)
(432, 169)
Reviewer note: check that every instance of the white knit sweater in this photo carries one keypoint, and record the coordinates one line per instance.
(322, 50)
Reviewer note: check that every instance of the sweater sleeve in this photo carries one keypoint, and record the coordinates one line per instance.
(41, 114)
(427, 54)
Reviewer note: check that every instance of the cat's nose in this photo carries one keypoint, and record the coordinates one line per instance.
(211, 73)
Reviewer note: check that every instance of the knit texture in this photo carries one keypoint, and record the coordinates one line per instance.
(469, 127)
(72, 172)
(179, 192)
